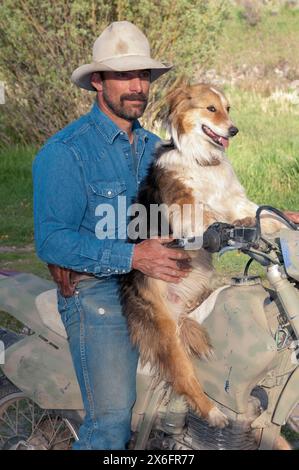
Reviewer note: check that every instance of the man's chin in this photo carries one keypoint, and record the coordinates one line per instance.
(135, 112)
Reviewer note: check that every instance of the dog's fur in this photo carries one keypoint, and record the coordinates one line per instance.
(190, 169)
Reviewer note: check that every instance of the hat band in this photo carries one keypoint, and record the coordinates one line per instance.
(119, 56)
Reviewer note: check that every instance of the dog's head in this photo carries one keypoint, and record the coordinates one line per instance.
(200, 111)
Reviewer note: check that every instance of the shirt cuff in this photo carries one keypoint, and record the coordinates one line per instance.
(117, 263)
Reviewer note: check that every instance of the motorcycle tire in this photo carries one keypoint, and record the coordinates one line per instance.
(26, 426)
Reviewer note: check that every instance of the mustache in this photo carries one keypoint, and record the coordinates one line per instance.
(134, 97)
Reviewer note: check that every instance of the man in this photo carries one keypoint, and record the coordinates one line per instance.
(92, 161)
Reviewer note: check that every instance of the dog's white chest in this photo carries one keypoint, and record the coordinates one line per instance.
(213, 185)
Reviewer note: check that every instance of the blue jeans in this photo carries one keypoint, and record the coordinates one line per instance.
(105, 362)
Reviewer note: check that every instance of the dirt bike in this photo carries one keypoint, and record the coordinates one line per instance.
(253, 378)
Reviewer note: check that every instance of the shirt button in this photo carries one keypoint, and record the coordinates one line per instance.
(85, 270)
(109, 193)
(108, 270)
(124, 270)
(121, 133)
(116, 271)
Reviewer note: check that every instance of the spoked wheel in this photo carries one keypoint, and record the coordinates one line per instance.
(25, 426)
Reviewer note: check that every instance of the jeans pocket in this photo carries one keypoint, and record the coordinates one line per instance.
(61, 302)
(67, 308)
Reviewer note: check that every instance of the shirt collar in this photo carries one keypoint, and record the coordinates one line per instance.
(108, 128)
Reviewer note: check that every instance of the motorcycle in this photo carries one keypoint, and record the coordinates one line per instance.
(253, 377)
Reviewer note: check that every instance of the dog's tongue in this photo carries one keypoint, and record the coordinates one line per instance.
(224, 142)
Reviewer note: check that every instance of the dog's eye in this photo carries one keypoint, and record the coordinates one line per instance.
(212, 109)
(228, 109)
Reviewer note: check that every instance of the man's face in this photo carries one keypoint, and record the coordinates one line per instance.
(125, 93)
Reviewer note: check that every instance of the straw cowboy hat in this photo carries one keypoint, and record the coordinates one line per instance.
(121, 47)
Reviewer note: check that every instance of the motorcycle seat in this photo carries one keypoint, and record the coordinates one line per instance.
(46, 304)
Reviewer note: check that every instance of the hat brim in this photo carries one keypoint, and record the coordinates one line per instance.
(81, 76)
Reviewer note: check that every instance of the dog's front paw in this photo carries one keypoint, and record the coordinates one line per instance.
(216, 418)
(245, 222)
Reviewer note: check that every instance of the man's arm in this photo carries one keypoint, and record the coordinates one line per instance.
(59, 206)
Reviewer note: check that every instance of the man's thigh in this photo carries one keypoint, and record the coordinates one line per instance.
(103, 356)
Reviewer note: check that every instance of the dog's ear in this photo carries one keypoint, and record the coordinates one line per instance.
(178, 92)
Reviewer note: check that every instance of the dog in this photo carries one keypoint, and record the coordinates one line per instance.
(191, 169)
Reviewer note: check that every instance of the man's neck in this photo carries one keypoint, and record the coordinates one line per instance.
(121, 123)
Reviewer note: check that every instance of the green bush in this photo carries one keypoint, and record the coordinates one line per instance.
(41, 43)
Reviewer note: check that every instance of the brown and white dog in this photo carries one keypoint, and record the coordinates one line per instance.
(191, 169)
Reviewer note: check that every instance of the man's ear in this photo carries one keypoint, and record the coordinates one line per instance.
(96, 81)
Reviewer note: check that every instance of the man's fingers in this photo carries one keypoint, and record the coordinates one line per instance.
(175, 280)
(173, 253)
(167, 277)
(177, 254)
(164, 240)
(184, 264)
(178, 266)
(173, 271)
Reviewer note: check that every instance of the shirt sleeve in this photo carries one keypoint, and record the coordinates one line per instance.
(59, 205)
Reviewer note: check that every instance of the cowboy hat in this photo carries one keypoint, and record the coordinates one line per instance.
(121, 47)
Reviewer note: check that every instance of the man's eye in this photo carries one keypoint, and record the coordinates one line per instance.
(212, 109)
(145, 74)
(122, 74)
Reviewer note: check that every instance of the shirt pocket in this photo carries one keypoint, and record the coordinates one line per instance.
(108, 199)
(107, 189)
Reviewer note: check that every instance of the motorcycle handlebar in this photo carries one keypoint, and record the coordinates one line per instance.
(220, 234)
(216, 237)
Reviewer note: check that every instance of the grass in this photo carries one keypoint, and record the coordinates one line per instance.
(272, 42)
(24, 261)
(265, 153)
(16, 223)
(291, 436)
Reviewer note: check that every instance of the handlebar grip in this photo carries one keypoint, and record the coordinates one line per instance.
(216, 236)
(211, 241)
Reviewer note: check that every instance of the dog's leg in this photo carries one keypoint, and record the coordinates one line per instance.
(244, 214)
(154, 331)
(180, 371)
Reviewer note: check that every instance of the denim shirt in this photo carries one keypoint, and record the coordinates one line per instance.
(87, 163)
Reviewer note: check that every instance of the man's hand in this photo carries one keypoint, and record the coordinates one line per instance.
(293, 216)
(155, 260)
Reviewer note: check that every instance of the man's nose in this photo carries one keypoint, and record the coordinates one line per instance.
(233, 131)
(136, 85)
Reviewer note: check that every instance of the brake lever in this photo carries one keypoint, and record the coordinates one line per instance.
(236, 246)
(190, 243)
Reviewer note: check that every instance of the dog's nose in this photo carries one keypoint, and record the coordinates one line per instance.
(233, 131)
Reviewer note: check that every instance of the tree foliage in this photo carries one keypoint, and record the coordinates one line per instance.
(41, 43)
